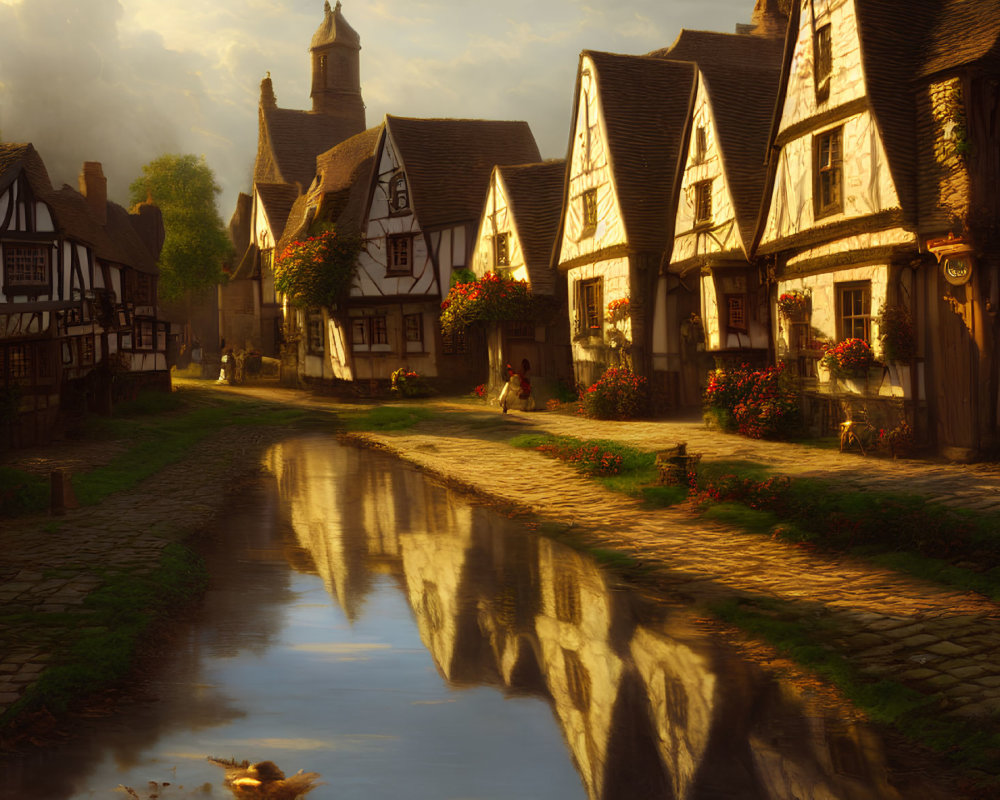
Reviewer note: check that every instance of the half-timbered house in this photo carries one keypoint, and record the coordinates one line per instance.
(78, 314)
(616, 222)
(859, 192)
(288, 143)
(337, 199)
(517, 231)
(717, 204)
(428, 185)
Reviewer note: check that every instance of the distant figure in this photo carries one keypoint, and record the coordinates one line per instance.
(525, 393)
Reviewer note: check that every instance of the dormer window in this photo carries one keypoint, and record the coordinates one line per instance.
(399, 196)
(822, 62)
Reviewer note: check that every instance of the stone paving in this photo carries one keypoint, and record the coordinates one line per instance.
(49, 564)
(938, 641)
(935, 640)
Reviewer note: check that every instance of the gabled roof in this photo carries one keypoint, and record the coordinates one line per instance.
(645, 103)
(448, 162)
(276, 199)
(119, 240)
(534, 195)
(296, 138)
(739, 50)
(961, 33)
(339, 191)
(742, 103)
(17, 157)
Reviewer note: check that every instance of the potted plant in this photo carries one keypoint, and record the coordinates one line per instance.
(850, 359)
(793, 304)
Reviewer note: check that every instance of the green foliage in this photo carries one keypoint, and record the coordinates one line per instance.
(100, 653)
(317, 272)
(461, 275)
(385, 418)
(493, 298)
(618, 394)
(21, 492)
(195, 242)
(895, 332)
(407, 383)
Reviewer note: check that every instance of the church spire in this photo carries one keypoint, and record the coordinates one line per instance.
(267, 98)
(336, 81)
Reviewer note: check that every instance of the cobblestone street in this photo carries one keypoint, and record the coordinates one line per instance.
(931, 638)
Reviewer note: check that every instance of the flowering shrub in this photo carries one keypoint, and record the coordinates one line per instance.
(590, 459)
(850, 358)
(895, 333)
(318, 271)
(759, 404)
(896, 440)
(407, 383)
(791, 303)
(618, 310)
(618, 394)
(771, 494)
(480, 390)
(491, 298)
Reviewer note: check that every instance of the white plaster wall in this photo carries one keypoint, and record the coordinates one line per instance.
(590, 169)
(721, 234)
(867, 184)
(497, 218)
(847, 78)
(615, 285)
(370, 278)
(823, 321)
(710, 313)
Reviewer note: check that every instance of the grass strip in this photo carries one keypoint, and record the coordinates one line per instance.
(916, 716)
(100, 645)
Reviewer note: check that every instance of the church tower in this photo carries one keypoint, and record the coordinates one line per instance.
(336, 79)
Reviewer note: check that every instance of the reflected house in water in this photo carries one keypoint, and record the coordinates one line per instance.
(649, 704)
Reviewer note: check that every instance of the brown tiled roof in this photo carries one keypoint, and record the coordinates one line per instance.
(962, 32)
(131, 240)
(296, 138)
(340, 189)
(646, 102)
(239, 224)
(14, 158)
(742, 107)
(248, 266)
(534, 195)
(890, 50)
(739, 50)
(448, 162)
(276, 200)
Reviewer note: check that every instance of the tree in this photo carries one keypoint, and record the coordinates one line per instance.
(195, 241)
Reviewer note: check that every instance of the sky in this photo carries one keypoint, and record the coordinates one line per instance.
(125, 81)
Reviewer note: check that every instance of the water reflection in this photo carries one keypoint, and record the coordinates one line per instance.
(648, 706)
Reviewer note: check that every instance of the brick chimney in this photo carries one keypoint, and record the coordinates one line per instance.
(94, 186)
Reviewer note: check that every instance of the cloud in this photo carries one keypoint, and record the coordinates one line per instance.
(125, 81)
